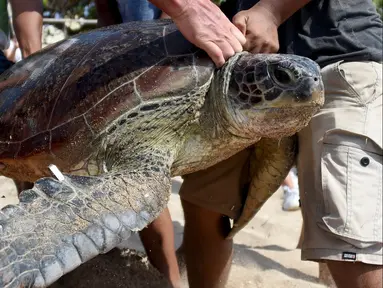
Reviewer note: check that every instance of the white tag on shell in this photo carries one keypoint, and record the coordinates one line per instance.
(56, 172)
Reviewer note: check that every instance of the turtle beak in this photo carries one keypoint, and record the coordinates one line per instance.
(311, 90)
(318, 98)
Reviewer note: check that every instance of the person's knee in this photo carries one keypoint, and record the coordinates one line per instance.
(197, 217)
(356, 274)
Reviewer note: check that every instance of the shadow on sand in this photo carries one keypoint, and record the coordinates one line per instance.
(128, 268)
(244, 254)
(116, 269)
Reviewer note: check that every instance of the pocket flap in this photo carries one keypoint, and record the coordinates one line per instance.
(352, 139)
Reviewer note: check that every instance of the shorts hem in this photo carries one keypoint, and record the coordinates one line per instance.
(320, 255)
(209, 206)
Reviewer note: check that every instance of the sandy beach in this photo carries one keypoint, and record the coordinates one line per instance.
(265, 253)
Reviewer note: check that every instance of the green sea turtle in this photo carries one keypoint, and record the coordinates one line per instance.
(121, 110)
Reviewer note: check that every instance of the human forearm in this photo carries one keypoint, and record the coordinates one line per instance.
(27, 22)
(281, 10)
(174, 8)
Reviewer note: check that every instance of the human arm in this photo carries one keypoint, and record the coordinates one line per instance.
(260, 23)
(107, 13)
(204, 24)
(27, 22)
(281, 9)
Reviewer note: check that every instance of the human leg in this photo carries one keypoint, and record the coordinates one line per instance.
(339, 171)
(158, 240)
(357, 274)
(288, 181)
(209, 198)
(21, 186)
(290, 193)
(208, 254)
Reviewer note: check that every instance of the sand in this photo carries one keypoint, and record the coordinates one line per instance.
(265, 253)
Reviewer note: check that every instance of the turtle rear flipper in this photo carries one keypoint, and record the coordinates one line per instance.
(57, 226)
(270, 163)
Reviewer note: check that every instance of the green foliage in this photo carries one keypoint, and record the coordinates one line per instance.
(379, 6)
(70, 8)
(218, 2)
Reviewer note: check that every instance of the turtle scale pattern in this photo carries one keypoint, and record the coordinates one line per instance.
(85, 91)
(120, 110)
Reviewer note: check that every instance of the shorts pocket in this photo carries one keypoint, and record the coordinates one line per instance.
(352, 191)
(362, 79)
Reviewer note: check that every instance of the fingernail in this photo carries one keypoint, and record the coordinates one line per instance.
(219, 64)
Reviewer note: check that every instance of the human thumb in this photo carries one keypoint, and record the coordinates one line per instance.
(240, 21)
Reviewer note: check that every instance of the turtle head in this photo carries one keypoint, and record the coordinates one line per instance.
(270, 95)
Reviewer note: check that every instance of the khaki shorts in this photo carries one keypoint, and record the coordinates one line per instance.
(339, 170)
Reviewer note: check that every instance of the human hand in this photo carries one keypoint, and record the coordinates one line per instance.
(204, 25)
(260, 27)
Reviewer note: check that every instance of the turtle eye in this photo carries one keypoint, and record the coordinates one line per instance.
(282, 76)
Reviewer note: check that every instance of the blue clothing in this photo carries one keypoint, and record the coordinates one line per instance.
(4, 63)
(138, 10)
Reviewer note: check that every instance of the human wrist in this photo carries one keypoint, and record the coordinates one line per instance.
(268, 9)
(280, 10)
(177, 8)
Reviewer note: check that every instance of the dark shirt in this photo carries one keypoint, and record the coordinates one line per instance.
(328, 31)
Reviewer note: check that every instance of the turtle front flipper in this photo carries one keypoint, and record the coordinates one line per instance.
(270, 163)
(58, 225)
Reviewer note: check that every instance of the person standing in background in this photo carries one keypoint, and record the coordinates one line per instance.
(13, 53)
(122, 11)
(4, 36)
(27, 24)
(290, 188)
